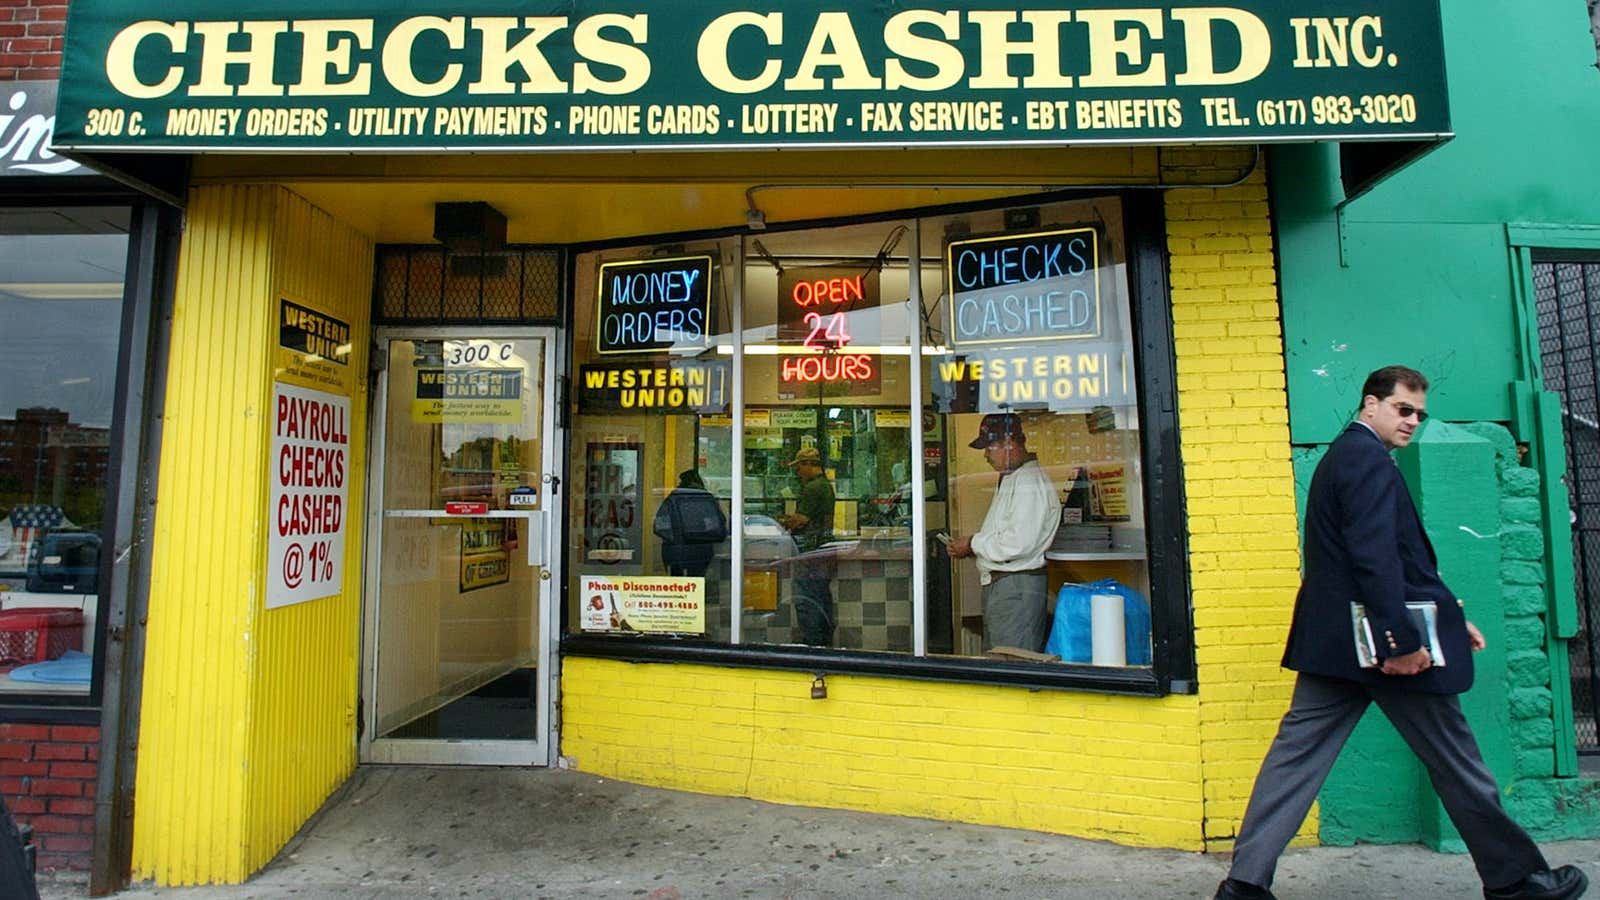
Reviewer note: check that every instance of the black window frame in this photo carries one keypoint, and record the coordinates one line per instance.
(152, 237)
(1172, 669)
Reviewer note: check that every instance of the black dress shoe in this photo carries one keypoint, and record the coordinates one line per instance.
(1565, 883)
(1234, 889)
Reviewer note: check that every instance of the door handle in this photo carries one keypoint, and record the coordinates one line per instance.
(553, 480)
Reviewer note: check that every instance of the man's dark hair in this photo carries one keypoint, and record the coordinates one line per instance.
(1381, 383)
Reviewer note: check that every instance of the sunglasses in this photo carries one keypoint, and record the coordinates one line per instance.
(1406, 411)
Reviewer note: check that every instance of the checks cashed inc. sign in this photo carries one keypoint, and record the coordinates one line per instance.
(355, 75)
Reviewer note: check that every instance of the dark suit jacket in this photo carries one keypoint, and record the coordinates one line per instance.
(1365, 543)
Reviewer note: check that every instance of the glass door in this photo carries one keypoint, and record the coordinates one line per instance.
(459, 630)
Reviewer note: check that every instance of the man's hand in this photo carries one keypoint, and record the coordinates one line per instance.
(1410, 664)
(960, 547)
(1476, 637)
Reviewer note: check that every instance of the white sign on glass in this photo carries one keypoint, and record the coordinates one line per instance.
(310, 476)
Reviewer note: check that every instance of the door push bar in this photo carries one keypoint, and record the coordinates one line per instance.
(535, 517)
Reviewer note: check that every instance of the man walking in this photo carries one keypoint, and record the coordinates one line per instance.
(1010, 545)
(1365, 544)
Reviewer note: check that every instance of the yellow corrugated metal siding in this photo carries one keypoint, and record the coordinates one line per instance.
(302, 741)
(247, 720)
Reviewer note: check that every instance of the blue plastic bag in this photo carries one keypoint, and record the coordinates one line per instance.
(1072, 637)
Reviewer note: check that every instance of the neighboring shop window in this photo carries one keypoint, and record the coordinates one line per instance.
(60, 317)
(872, 385)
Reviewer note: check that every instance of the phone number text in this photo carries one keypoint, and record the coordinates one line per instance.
(1339, 109)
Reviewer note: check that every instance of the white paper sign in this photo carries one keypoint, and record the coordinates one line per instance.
(310, 474)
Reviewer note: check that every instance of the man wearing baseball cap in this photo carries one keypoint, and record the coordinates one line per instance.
(811, 523)
(1010, 545)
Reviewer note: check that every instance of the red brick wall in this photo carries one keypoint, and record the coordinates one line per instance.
(47, 774)
(30, 39)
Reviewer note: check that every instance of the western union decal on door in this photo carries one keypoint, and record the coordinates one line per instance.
(468, 395)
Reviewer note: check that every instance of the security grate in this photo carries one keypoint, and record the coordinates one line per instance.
(429, 285)
(1567, 293)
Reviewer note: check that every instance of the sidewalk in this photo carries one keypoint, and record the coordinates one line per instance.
(543, 833)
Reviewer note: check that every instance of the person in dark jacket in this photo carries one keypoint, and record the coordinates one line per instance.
(1364, 544)
(690, 523)
(16, 875)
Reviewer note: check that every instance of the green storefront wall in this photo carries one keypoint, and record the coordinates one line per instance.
(1421, 271)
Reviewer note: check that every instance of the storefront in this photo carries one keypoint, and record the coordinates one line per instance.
(657, 452)
(79, 254)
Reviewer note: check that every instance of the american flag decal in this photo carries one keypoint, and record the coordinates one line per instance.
(36, 515)
(30, 518)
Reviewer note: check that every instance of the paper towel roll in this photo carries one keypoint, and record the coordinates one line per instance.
(1110, 642)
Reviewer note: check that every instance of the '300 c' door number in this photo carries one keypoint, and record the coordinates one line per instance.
(460, 353)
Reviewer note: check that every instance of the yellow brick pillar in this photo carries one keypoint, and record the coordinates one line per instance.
(1233, 417)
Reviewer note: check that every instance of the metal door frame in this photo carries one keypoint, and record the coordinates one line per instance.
(1537, 418)
(541, 750)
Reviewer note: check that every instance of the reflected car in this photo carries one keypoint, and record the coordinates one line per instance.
(64, 562)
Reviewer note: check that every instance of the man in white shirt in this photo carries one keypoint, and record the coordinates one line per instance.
(1010, 545)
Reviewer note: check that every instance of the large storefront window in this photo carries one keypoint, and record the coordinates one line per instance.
(827, 457)
(650, 453)
(1030, 367)
(60, 318)
(921, 438)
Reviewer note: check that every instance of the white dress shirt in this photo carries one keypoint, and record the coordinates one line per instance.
(1020, 524)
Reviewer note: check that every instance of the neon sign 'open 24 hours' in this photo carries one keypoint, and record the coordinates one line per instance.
(814, 307)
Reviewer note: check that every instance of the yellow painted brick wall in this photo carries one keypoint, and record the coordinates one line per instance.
(1118, 768)
(1233, 418)
(1171, 772)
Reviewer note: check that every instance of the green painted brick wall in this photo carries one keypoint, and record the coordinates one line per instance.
(1419, 271)
(1424, 275)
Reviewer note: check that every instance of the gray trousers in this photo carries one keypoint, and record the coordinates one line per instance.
(1319, 721)
(1014, 610)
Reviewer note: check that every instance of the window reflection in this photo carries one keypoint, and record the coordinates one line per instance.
(61, 283)
(1030, 325)
(828, 328)
(650, 448)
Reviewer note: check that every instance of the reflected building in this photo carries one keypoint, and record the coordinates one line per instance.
(46, 459)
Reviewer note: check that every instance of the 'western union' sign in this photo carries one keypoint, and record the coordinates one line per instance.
(468, 395)
(1076, 377)
(678, 387)
(312, 333)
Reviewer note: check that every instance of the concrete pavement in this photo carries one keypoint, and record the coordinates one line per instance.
(412, 832)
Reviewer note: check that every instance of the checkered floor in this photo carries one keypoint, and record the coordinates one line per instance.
(872, 602)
